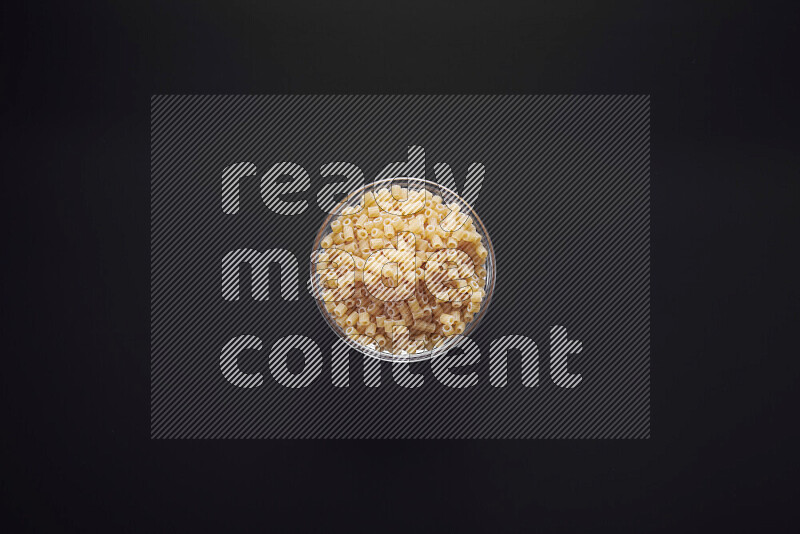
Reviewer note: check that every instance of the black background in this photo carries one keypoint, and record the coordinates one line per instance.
(77, 80)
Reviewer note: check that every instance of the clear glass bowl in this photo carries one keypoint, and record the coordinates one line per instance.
(448, 197)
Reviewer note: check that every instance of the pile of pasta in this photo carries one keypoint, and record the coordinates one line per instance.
(402, 271)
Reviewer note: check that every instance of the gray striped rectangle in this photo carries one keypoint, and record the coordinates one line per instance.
(566, 200)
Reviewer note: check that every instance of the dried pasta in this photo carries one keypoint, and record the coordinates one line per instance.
(402, 271)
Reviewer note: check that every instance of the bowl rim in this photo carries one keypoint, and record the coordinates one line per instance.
(453, 341)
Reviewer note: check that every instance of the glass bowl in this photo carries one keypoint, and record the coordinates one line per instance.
(448, 196)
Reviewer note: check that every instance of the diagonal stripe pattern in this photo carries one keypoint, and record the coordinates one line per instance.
(564, 351)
